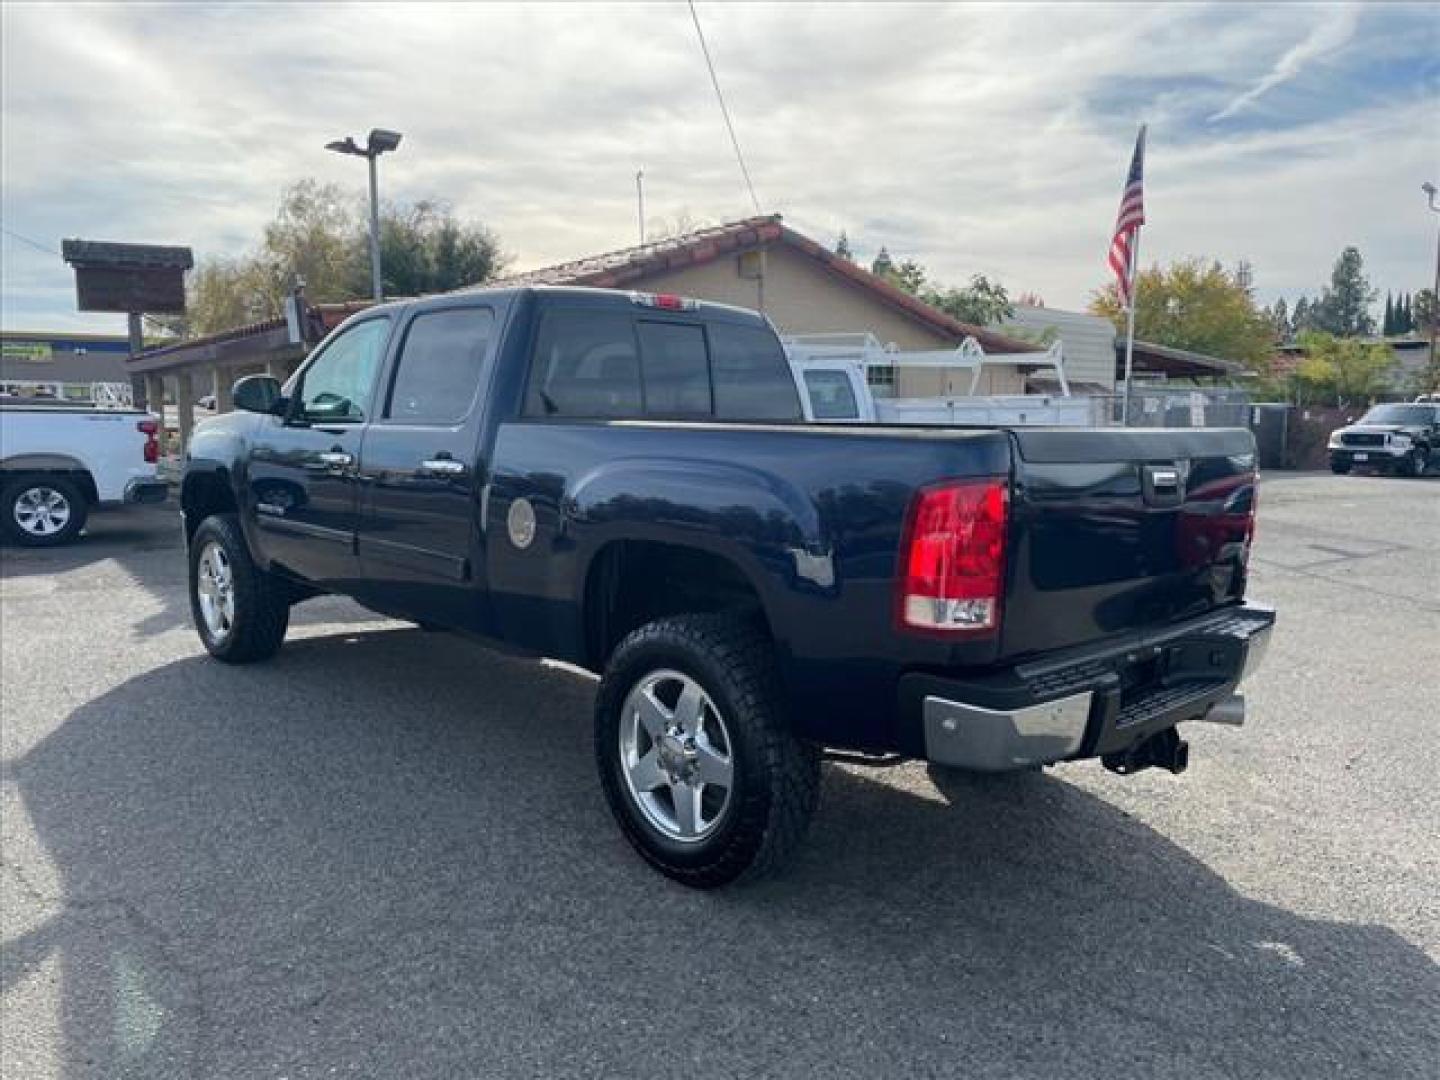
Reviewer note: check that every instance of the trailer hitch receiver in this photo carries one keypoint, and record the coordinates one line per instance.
(1164, 749)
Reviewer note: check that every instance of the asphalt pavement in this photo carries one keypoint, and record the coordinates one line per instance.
(385, 854)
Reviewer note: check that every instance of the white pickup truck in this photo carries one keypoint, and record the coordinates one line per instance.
(58, 462)
(831, 372)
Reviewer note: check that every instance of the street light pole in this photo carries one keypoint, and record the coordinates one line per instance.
(1430, 191)
(377, 288)
(380, 142)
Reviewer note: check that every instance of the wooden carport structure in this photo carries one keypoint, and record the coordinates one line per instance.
(187, 370)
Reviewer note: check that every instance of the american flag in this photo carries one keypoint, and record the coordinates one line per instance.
(1128, 222)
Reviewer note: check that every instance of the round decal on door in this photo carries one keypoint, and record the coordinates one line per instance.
(520, 522)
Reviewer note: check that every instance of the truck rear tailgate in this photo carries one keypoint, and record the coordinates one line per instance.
(1115, 531)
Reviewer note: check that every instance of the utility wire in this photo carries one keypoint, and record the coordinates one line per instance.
(724, 109)
(38, 246)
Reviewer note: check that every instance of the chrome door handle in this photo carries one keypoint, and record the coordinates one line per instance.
(443, 467)
(335, 460)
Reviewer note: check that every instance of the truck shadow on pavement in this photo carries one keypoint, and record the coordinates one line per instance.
(386, 854)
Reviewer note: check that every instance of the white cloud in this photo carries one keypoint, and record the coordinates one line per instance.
(974, 138)
(1325, 37)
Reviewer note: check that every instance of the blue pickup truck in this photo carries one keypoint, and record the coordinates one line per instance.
(624, 481)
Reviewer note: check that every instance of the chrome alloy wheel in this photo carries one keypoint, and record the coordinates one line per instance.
(215, 588)
(41, 510)
(676, 755)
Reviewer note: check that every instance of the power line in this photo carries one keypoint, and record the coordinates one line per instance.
(38, 246)
(724, 109)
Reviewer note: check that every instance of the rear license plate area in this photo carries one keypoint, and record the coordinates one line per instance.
(1362, 457)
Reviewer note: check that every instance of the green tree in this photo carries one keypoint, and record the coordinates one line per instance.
(319, 235)
(1195, 304)
(1300, 318)
(1280, 319)
(1421, 314)
(910, 276)
(842, 247)
(1345, 303)
(1349, 371)
(1405, 321)
(424, 249)
(982, 302)
(1388, 323)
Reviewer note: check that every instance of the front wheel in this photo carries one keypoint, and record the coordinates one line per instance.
(240, 612)
(1339, 468)
(43, 511)
(696, 760)
(1415, 462)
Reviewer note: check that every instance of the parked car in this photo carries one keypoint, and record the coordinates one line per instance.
(625, 482)
(59, 462)
(1398, 438)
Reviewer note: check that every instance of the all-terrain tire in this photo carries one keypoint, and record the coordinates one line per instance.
(261, 603)
(776, 783)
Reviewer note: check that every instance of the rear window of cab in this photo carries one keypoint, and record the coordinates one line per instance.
(591, 364)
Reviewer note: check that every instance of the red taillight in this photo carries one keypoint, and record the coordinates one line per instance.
(1250, 521)
(952, 560)
(150, 428)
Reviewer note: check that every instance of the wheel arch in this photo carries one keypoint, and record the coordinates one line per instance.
(71, 468)
(204, 491)
(631, 581)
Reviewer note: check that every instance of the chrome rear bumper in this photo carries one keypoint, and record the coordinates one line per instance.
(973, 737)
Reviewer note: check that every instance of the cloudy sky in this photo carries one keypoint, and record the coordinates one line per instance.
(989, 139)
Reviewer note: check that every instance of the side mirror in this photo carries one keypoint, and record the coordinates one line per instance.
(258, 394)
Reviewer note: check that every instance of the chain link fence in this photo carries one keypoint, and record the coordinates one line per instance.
(1156, 407)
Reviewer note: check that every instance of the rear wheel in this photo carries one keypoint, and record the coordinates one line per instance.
(240, 612)
(43, 511)
(1339, 468)
(1415, 462)
(695, 758)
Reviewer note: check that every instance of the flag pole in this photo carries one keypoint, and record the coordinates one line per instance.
(1130, 327)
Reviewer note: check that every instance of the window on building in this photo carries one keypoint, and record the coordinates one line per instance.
(441, 367)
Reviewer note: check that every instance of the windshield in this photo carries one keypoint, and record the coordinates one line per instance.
(1400, 414)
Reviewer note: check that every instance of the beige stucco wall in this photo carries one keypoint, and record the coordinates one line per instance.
(937, 382)
(801, 298)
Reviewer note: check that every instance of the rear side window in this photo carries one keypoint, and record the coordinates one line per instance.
(831, 395)
(441, 366)
(586, 364)
(752, 377)
(674, 368)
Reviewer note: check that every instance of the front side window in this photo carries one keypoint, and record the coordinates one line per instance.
(441, 366)
(585, 365)
(752, 376)
(831, 395)
(675, 370)
(337, 386)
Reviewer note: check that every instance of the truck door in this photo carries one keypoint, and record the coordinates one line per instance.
(421, 471)
(302, 474)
